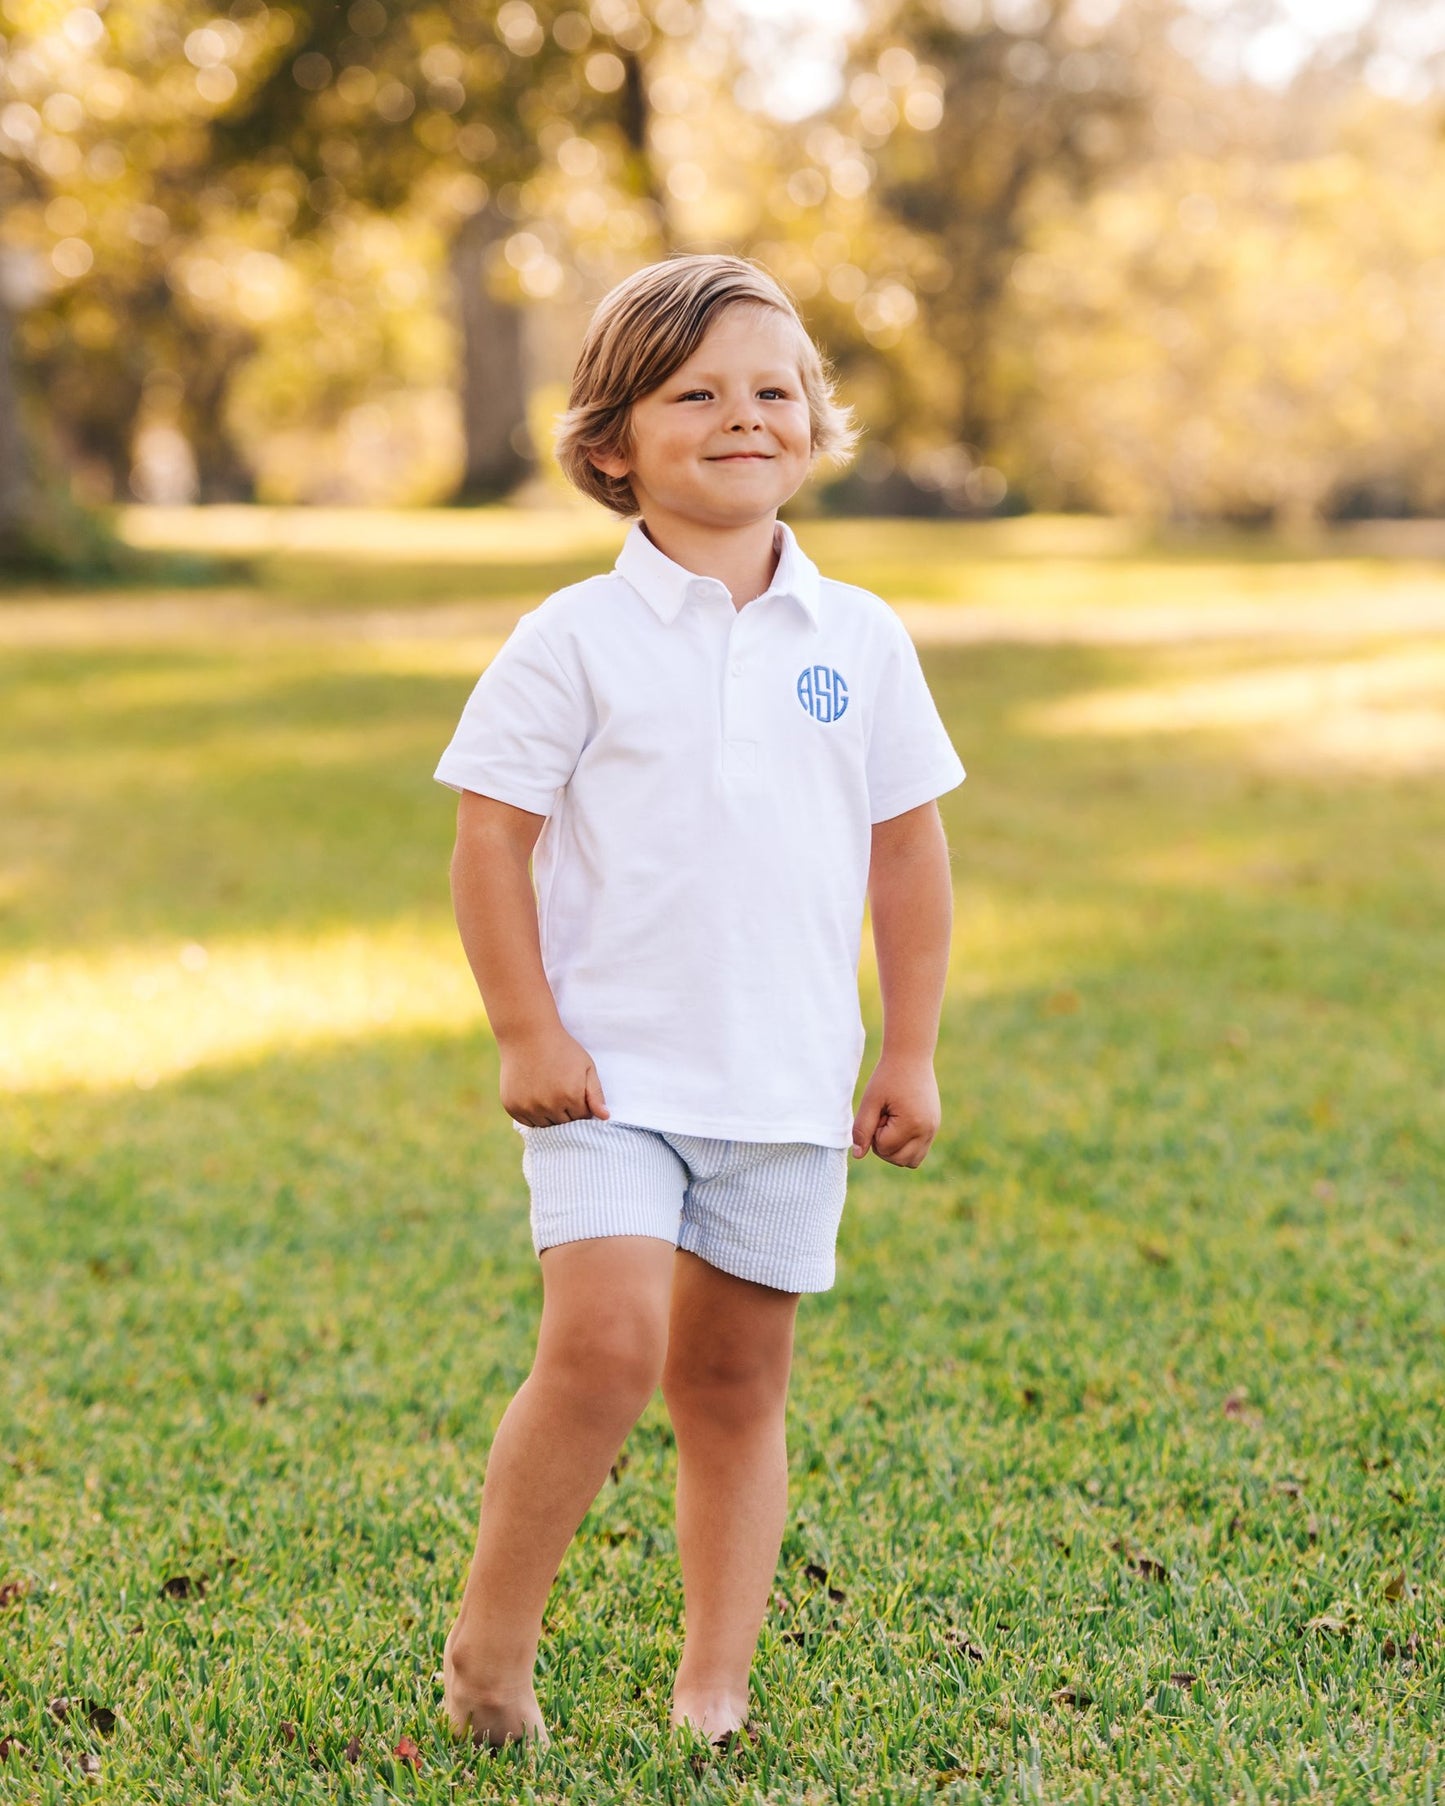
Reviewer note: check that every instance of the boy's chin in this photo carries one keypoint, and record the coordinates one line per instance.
(720, 513)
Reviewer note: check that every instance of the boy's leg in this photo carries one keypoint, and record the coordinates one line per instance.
(729, 1351)
(600, 1352)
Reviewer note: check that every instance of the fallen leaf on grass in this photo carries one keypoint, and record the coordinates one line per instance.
(288, 1731)
(956, 1640)
(1141, 1564)
(408, 1751)
(1397, 1586)
(352, 1752)
(1072, 1696)
(815, 1571)
(12, 1592)
(1391, 1651)
(1155, 1253)
(1326, 1621)
(1182, 1678)
(181, 1586)
(12, 1746)
(1235, 1403)
(100, 1717)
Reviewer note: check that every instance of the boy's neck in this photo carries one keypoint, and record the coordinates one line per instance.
(744, 558)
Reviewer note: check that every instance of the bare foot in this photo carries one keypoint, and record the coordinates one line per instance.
(488, 1715)
(716, 1715)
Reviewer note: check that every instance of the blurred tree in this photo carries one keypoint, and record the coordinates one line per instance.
(14, 475)
(966, 109)
(450, 109)
(104, 184)
(41, 529)
(1061, 239)
(1228, 333)
(162, 161)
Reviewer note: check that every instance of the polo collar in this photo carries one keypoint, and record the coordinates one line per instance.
(665, 585)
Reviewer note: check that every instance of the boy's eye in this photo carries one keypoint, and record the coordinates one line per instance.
(769, 394)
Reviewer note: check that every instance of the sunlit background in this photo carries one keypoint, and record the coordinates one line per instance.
(1175, 259)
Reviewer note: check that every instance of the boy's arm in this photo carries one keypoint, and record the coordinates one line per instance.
(910, 889)
(547, 1077)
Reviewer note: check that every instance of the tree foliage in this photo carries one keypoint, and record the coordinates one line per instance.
(1061, 254)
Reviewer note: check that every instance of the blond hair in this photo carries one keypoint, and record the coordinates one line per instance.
(647, 327)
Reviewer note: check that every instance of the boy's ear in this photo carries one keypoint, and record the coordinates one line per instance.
(610, 463)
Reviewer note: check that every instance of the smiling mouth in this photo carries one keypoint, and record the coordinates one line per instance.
(741, 458)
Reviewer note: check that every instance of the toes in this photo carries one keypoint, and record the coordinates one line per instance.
(464, 1723)
(745, 1734)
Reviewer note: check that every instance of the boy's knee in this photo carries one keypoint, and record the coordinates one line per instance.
(736, 1383)
(612, 1363)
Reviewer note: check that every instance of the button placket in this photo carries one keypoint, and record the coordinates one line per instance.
(740, 750)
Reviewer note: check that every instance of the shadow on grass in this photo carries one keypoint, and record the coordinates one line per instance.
(177, 794)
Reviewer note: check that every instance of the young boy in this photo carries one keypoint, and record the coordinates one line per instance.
(714, 753)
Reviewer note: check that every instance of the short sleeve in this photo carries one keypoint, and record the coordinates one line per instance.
(522, 730)
(911, 759)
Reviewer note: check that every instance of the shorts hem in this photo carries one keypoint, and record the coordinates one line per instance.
(593, 1232)
(759, 1271)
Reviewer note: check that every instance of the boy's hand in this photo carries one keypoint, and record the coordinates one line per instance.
(549, 1078)
(900, 1112)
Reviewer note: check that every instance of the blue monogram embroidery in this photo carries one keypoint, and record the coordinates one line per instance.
(822, 692)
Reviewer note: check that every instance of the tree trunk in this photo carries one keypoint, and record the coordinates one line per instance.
(494, 389)
(636, 122)
(222, 474)
(14, 479)
(94, 425)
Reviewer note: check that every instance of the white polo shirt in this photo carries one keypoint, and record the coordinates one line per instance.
(710, 776)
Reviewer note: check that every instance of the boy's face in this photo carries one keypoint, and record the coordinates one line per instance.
(727, 438)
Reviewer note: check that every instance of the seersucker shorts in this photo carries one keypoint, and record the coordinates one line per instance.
(763, 1210)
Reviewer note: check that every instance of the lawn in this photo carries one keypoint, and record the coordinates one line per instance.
(1117, 1458)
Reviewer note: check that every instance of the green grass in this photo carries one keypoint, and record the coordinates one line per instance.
(1117, 1458)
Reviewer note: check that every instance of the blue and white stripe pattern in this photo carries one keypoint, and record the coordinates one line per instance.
(763, 1210)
